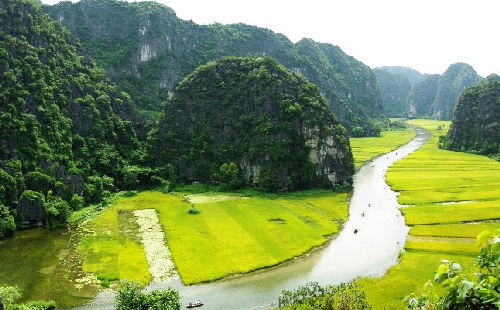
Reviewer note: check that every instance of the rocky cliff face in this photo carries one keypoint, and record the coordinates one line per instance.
(252, 111)
(454, 81)
(148, 50)
(476, 120)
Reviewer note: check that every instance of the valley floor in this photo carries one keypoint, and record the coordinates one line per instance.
(450, 198)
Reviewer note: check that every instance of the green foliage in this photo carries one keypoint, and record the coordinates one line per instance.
(58, 116)
(315, 297)
(56, 209)
(255, 128)
(77, 202)
(460, 290)
(9, 295)
(394, 88)
(130, 297)
(358, 132)
(228, 173)
(455, 79)
(109, 31)
(7, 224)
(106, 277)
(476, 121)
(193, 209)
(97, 188)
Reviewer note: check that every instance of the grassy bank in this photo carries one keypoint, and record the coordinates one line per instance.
(450, 198)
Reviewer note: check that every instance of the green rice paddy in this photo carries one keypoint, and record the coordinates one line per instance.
(230, 236)
(450, 198)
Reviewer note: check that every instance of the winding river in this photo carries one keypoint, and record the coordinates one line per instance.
(381, 234)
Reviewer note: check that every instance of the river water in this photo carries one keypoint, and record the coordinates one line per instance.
(381, 234)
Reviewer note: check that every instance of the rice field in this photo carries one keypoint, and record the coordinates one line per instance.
(449, 198)
(367, 148)
(233, 234)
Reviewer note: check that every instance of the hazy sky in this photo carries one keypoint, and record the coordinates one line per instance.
(426, 35)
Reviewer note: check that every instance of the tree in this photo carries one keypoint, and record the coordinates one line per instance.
(312, 296)
(460, 291)
(130, 297)
(9, 294)
(7, 224)
(130, 174)
(358, 131)
(228, 175)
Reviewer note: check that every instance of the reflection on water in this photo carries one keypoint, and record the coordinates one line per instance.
(41, 262)
(374, 212)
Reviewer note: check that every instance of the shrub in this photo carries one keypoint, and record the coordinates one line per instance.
(315, 297)
(193, 210)
(130, 297)
(9, 294)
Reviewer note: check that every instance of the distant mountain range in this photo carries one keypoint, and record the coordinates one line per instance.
(429, 96)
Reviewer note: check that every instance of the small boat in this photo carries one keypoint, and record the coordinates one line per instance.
(194, 304)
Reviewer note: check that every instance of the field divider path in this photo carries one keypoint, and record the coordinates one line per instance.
(161, 265)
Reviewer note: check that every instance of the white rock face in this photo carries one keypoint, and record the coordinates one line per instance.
(161, 265)
(321, 149)
(147, 52)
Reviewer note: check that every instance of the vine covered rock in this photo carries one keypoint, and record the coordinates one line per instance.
(258, 114)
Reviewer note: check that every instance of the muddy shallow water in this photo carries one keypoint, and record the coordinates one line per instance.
(381, 233)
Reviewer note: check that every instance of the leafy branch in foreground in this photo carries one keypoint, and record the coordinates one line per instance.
(312, 296)
(460, 291)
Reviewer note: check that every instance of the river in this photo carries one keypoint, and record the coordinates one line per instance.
(381, 233)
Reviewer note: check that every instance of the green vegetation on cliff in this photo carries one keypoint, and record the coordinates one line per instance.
(63, 140)
(476, 121)
(430, 96)
(148, 50)
(255, 113)
(394, 89)
(454, 81)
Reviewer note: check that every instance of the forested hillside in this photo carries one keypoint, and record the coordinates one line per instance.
(69, 137)
(454, 81)
(147, 50)
(66, 134)
(412, 75)
(476, 120)
(421, 98)
(394, 89)
(252, 121)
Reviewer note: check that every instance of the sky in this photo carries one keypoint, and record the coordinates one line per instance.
(425, 35)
